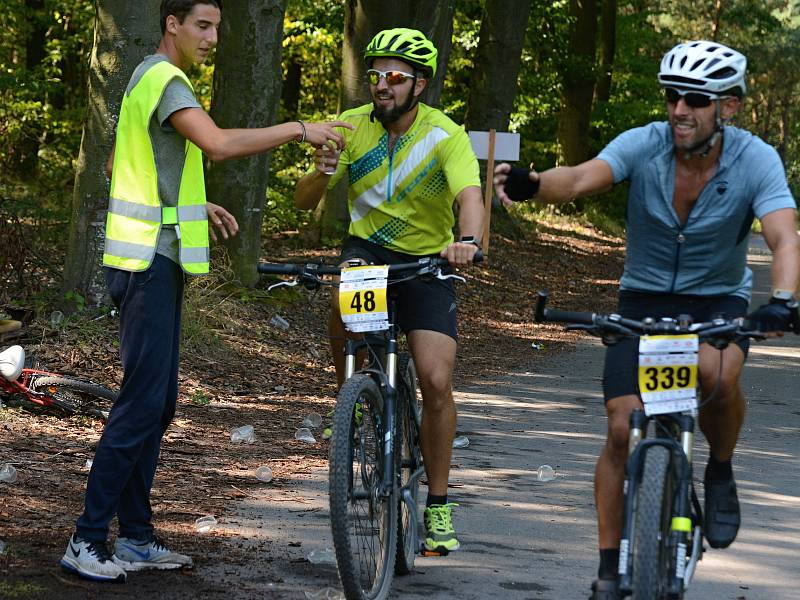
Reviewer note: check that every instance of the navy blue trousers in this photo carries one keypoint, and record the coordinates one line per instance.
(125, 462)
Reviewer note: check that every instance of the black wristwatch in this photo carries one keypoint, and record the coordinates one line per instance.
(469, 239)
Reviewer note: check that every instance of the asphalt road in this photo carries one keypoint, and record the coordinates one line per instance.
(526, 539)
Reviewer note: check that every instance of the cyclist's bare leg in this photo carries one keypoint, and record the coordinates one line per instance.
(722, 418)
(434, 356)
(610, 470)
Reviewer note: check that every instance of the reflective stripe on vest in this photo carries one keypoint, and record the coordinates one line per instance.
(135, 214)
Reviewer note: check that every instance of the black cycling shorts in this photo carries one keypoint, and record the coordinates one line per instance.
(422, 303)
(622, 359)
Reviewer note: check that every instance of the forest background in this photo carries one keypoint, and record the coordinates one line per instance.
(566, 75)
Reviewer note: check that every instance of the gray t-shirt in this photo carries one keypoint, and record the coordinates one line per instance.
(169, 147)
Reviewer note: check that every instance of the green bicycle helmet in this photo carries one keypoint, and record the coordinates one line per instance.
(408, 45)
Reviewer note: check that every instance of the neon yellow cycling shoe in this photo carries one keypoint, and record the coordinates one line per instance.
(440, 535)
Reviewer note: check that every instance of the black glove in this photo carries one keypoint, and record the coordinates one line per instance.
(778, 315)
(519, 185)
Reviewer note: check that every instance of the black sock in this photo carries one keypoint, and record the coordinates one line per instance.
(441, 500)
(609, 563)
(718, 471)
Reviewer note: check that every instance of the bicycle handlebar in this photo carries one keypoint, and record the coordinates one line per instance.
(312, 271)
(718, 330)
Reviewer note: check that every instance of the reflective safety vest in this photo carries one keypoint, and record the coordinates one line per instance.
(135, 213)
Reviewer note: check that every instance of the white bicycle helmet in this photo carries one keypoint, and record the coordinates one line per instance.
(704, 66)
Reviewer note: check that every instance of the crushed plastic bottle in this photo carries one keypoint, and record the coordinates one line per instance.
(56, 318)
(205, 524)
(327, 593)
(88, 464)
(313, 420)
(243, 434)
(8, 474)
(461, 441)
(322, 557)
(264, 474)
(304, 435)
(279, 322)
(545, 473)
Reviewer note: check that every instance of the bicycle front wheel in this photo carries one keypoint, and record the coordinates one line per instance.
(76, 396)
(363, 522)
(652, 558)
(409, 457)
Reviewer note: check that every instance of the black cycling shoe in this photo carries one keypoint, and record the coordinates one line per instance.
(605, 589)
(722, 513)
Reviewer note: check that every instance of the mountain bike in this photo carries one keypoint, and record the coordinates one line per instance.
(50, 391)
(375, 456)
(662, 535)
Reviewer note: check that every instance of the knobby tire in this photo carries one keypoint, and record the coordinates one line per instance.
(652, 557)
(409, 458)
(76, 396)
(364, 529)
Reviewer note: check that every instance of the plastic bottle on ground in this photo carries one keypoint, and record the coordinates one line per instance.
(304, 435)
(279, 322)
(313, 420)
(461, 441)
(8, 474)
(322, 557)
(545, 473)
(205, 524)
(264, 474)
(243, 434)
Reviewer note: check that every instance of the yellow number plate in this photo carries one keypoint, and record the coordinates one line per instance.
(668, 372)
(362, 298)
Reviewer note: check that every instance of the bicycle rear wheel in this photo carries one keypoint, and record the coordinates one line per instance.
(363, 523)
(76, 396)
(652, 558)
(409, 457)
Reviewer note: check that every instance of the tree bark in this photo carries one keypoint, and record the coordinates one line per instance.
(124, 33)
(578, 81)
(493, 82)
(608, 41)
(247, 91)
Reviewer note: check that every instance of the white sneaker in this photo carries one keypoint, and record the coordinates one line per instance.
(133, 555)
(91, 560)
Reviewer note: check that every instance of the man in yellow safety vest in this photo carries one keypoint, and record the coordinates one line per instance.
(157, 231)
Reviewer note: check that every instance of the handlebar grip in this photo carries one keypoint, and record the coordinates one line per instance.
(278, 269)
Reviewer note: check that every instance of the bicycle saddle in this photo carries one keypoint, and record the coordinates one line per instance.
(11, 362)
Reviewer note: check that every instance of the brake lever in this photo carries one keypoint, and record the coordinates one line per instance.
(292, 283)
(450, 276)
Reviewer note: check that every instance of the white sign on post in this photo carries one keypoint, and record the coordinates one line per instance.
(506, 145)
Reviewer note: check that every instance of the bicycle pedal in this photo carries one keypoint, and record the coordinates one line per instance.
(423, 551)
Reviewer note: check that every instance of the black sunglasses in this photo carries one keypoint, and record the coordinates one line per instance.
(692, 99)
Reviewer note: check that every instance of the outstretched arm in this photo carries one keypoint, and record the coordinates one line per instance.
(223, 144)
(560, 184)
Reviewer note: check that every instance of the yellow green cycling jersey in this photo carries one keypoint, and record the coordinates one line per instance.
(403, 199)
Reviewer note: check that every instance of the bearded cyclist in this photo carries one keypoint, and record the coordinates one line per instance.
(405, 163)
(696, 184)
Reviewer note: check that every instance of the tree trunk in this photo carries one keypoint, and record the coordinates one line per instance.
(363, 19)
(493, 82)
(124, 33)
(578, 81)
(247, 91)
(608, 41)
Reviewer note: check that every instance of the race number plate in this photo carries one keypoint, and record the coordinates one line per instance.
(362, 298)
(668, 373)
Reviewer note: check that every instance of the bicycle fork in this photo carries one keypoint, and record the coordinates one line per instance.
(681, 530)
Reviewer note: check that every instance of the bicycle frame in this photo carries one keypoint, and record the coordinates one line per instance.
(386, 376)
(22, 386)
